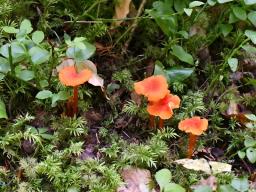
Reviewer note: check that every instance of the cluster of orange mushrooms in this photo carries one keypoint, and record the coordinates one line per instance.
(161, 104)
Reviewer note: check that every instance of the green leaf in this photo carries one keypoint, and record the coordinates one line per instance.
(60, 96)
(233, 63)
(172, 187)
(232, 18)
(17, 49)
(184, 34)
(251, 154)
(226, 188)
(195, 4)
(250, 2)
(25, 75)
(3, 114)
(188, 11)
(26, 26)
(173, 74)
(45, 94)
(162, 12)
(249, 142)
(179, 6)
(241, 154)
(38, 37)
(224, 1)
(251, 35)
(203, 188)
(9, 29)
(179, 74)
(249, 49)
(4, 65)
(39, 55)
(163, 177)
(211, 2)
(240, 184)
(182, 55)
(239, 12)
(225, 29)
(252, 17)
(81, 54)
(251, 117)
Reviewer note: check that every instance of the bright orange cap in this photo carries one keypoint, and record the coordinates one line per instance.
(163, 108)
(154, 87)
(69, 77)
(194, 125)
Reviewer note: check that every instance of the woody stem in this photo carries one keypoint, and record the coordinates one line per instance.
(191, 144)
(161, 123)
(75, 100)
(151, 121)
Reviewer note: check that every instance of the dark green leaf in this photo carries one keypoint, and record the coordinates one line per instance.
(252, 17)
(239, 12)
(182, 55)
(4, 65)
(203, 188)
(225, 29)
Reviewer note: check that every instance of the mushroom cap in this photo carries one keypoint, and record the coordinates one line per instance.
(164, 107)
(194, 125)
(154, 87)
(68, 76)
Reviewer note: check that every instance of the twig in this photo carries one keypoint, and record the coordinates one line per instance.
(134, 25)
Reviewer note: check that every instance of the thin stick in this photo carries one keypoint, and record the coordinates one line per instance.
(75, 101)
(161, 123)
(152, 121)
(191, 144)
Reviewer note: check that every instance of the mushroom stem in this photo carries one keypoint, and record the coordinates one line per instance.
(151, 121)
(191, 144)
(161, 123)
(75, 100)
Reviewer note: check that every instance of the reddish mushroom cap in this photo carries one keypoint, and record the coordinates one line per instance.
(163, 108)
(194, 125)
(68, 76)
(154, 87)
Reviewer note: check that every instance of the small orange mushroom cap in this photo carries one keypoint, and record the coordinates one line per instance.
(154, 87)
(194, 125)
(164, 107)
(70, 77)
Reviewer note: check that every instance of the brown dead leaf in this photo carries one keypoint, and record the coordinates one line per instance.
(121, 11)
(210, 181)
(136, 180)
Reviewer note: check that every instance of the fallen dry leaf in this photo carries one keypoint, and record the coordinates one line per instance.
(121, 11)
(136, 180)
(205, 166)
(210, 181)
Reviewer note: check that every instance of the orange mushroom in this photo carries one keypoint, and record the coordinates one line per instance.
(163, 108)
(195, 126)
(70, 77)
(154, 87)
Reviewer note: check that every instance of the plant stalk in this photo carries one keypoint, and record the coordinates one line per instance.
(75, 101)
(161, 123)
(191, 144)
(152, 121)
